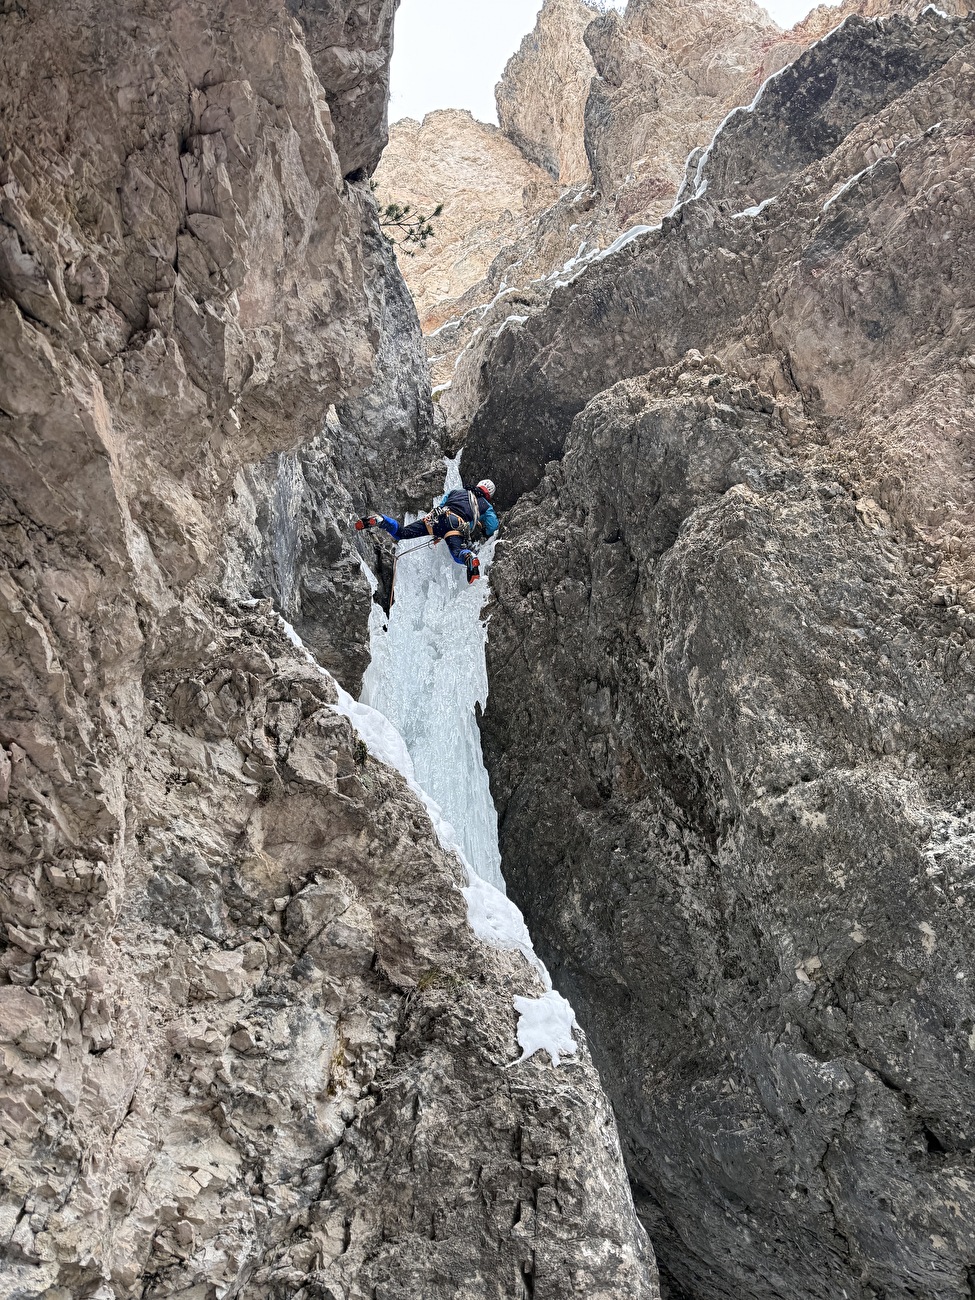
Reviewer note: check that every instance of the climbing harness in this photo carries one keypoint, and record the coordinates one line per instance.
(470, 532)
(457, 525)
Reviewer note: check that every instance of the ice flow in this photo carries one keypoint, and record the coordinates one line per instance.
(417, 712)
(544, 1023)
(428, 676)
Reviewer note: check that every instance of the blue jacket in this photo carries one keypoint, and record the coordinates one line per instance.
(459, 502)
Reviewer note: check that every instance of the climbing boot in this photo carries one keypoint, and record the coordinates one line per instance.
(368, 521)
(473, 568)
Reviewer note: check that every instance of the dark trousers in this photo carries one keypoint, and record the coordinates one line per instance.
(444, 526)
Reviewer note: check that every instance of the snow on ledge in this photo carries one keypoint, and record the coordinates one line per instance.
(627, 237)
(753, 211)
(509, 320)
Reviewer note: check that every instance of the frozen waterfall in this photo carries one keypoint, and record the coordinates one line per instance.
(420, 692)
(428, 676)
(544, 1023)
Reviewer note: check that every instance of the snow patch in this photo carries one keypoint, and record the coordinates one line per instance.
(545, 1023)
(495, 919)
(627, 237)
(467, 346)
(440, 328)
(754, 211)
(844, 187)
(296, 641)
(700, 185)
(509, 320)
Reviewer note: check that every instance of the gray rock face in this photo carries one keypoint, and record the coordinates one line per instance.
(667, 76)
(541, 97)
(250, 1045)
(805, 111)
(350, 45)
(378, 450)
(723, 732)
(703, 273)
(731, 683)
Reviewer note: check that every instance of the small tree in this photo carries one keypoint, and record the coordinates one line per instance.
(407, 229)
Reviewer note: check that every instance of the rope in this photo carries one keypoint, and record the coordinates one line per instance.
(422, 547)
(397, 556)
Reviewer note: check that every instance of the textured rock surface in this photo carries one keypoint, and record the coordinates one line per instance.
(750, 856)
(350, 44)
(289, 531)
(667, 75)
(489, 190)
(862, 145)
(666, 78)
(732, 680)
(542, 95)
(250, 1045)
(824, 18)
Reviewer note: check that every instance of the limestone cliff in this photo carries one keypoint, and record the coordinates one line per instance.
(250, 1045)
(661, 78)
(489, 190)
(609, 105)
(666, 77)
(637, 91)
(288, 521)
(497, 185)
(542, 94)
(732, 676)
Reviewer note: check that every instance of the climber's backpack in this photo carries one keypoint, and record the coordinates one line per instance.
(471, 532)
(476, 528)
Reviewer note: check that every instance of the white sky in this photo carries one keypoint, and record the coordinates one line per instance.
(451, 53)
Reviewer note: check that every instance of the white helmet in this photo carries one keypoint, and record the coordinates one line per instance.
(487, 487)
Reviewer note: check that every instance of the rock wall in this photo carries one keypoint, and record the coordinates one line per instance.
(541, 97)
(489, 190)
(349, 45)
(732, 677)
(662, 79)
(250, 1045)
(837, 127)
(609, 105)
(666, 76)
(289, 518)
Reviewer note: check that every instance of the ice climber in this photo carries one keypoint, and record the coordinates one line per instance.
(463, 518)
